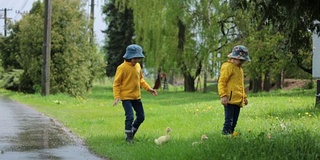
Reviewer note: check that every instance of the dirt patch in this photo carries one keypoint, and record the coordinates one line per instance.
(294, 83)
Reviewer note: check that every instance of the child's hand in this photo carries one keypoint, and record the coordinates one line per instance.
(246, 101)
(153, 92)
(224, 100)
(116, 101)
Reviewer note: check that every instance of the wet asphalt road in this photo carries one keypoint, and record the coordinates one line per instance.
(26, 134)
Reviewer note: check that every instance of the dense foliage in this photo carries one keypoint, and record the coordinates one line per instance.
(74, 61)
(296, 20)
(119, 35)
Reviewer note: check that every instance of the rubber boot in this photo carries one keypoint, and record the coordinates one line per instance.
(129, 137)
(134, 131)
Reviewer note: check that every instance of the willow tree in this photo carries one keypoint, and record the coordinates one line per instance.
(179, 34)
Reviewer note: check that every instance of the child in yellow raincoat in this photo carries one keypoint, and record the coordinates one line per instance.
(231, 87)
(126, 87)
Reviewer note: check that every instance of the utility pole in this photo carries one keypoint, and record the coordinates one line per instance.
(5, 20)
(92, 20)
(46, 49)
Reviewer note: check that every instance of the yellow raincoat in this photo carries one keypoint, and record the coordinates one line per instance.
(231, 83)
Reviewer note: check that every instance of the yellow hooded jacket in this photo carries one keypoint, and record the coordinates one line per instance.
(231, 83)
(128, 81)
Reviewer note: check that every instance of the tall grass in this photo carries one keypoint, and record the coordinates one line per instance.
(276, 125)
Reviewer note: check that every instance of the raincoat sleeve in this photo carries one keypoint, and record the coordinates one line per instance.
(143, 83)
(225, 74)
(117, 83)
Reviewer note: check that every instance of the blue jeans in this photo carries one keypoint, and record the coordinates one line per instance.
(129, 106)
(231, 113)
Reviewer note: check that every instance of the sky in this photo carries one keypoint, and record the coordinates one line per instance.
(15, 8)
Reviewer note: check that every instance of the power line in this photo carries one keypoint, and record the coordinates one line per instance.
(20, 12)
(24, 4)
(13, 4)
(7, 3)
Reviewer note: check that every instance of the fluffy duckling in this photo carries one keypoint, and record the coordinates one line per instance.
(203, 137)
(165, 138)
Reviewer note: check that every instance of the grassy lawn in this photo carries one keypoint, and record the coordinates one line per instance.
(276, 125)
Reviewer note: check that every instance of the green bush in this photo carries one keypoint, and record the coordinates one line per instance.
(11, 80)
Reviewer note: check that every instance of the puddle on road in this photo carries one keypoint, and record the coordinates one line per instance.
(31, 139)
(38, 133)
(27, 134)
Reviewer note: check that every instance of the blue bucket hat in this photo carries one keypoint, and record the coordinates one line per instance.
(240, 52)
(133, 51)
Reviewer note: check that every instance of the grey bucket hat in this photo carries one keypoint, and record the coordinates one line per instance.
(240, 52)
(133, 51)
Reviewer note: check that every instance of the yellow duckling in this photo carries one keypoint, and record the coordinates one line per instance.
(165, 138)
(203, 137)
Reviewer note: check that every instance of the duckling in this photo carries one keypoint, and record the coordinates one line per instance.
(165, 138)
(203, 137)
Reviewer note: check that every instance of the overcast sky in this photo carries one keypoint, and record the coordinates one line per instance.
(17, 7)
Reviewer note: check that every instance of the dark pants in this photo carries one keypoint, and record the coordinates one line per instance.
(231, 113)
(129, 106)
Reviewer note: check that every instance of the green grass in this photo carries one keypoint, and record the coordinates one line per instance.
(275, 125)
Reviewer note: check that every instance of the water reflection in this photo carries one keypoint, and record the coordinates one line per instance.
(27, 134)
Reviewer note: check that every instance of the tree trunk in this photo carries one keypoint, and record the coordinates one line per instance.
(278, 83)
(266, 82)
(250, 84)
(256, 84)
(205, 82)
(189, 83)
(171, 78)
(282, 78)
(157, 83)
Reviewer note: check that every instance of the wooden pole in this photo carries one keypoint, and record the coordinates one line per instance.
(5, 22)
(46, 49)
